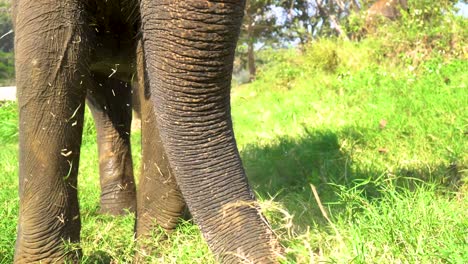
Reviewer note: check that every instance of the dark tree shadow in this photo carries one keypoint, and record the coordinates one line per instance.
(287, 169)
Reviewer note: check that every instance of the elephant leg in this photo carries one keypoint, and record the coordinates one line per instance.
(189, 50)
(160, 203)
(52, 53)
(110, 103)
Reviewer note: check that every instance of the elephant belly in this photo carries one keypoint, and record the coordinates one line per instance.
(113, 59)
(115, 26)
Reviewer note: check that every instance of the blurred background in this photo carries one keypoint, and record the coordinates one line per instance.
(282, 24)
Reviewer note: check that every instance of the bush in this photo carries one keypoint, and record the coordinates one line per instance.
(429, 29)
(323, 55)
(7, 68)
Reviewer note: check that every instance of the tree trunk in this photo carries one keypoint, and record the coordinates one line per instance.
(325, 14)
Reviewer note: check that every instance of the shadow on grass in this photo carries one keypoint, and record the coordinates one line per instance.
(286, 170)
(98, 256)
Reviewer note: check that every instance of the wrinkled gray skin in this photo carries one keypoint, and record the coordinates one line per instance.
(184, 50)
(110, 101)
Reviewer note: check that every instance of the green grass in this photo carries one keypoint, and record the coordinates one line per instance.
(383, 144)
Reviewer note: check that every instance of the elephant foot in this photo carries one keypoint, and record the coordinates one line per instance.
(153, 228)
(118, 200)
(70, 257)
(59, 252)
(118, 206)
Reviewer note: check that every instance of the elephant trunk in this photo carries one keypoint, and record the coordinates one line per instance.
(189, 47)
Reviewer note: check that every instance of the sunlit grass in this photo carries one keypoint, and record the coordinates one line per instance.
(384, 147)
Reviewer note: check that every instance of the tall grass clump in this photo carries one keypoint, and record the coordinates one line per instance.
(409, 226)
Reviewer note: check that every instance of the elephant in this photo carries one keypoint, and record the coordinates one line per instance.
(111, 101)
(181, 53)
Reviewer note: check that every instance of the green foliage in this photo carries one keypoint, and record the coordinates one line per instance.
(8, 122)
(428, 29)
(323, 56)
(6, 43)
(278, 68)
(7, 68)
(355, 24)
